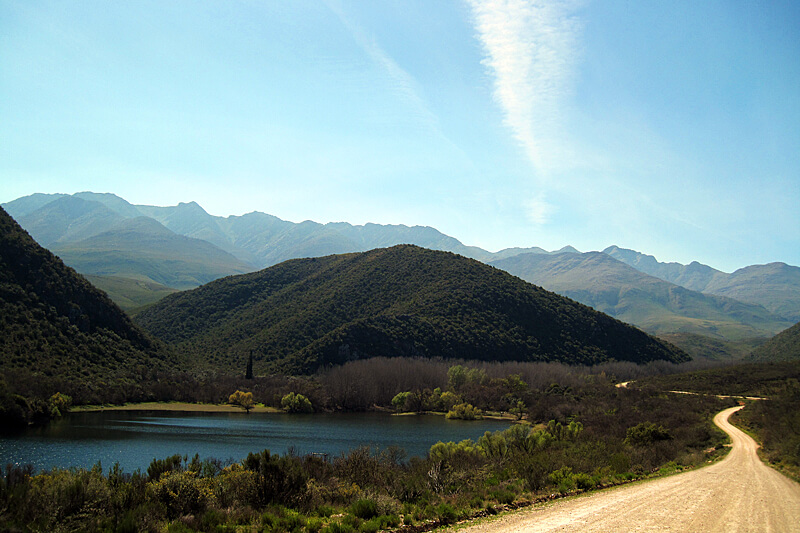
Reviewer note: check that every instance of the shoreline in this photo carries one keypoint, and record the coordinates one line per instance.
(174, 406)
(188, 407)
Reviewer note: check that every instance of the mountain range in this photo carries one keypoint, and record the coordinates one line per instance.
(149, 251)
(304, 314)
(608, 285)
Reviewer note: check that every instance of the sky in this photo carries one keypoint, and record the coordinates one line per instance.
(669, 127)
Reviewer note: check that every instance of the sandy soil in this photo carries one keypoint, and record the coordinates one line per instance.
(737, 494)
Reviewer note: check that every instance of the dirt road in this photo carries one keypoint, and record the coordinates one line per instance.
(737, 494)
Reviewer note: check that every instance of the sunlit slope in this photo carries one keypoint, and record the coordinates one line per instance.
(775, 286)
(608, 285)
(401, 301)
(130, 294)
(141, 248)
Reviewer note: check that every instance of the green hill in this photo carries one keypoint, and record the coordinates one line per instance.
(785, 346)
(57, 331)
(131, 294)
(305, 314)
(775, 286)
(608, 285)
(141, 248)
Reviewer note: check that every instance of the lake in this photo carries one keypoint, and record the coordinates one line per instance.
(135, 438)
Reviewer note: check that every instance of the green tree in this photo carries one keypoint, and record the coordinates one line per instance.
(59, 404)
(242, 399)
(464, 411)
(296, 403)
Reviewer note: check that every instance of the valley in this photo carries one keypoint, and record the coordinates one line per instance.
(708, 313)
(360, 336)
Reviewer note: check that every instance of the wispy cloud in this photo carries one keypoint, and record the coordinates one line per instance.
(532, 49)
(538, 209)
(404, 85)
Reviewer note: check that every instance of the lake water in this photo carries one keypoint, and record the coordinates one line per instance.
(135, 438)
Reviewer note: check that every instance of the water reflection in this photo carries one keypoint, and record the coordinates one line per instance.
(134, 438)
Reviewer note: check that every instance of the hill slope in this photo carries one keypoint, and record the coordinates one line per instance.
(68, 219)
(659, 307)
(775, 286)
(130, 294)
(785, 346)
(400, 301)
(141, 248)
(56, 329)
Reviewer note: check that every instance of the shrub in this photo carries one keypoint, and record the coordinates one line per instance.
(645, 434)
(563, 479)
(338, 527)
(464, 411)
(296, 403)
(364, 508)
(447, 513)
(160, 466)
(504, 496)
(181, 493)
(280, 479)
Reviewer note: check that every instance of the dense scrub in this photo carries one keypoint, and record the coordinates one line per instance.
(307, 314)
(751, 379)
(776, 424)
(581, 432)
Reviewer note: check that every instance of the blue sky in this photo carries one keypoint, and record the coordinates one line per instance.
(672, 127)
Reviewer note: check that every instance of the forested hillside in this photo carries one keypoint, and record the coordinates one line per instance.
(401, 301)
(58, 332)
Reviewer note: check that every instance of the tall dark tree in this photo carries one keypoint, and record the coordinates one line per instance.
(249, 372)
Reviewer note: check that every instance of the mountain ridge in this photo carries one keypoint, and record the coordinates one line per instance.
(259, 240)
(611, 286)
(405, 300)
(775, 286)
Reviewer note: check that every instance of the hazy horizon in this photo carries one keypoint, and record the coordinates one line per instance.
(671, 129)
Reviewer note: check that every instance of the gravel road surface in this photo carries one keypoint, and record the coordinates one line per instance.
(738, 494)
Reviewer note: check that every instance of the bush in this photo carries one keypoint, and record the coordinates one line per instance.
(160, 466)
(563, 479)
(280, 479)
(338, 527)
(364, 508)
(447, 513)
(296, 403)
(182, 493)
(645, 434)
(464, 411)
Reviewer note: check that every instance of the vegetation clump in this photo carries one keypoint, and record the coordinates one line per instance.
(242, 399)
(464, 411)
(296, 403)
